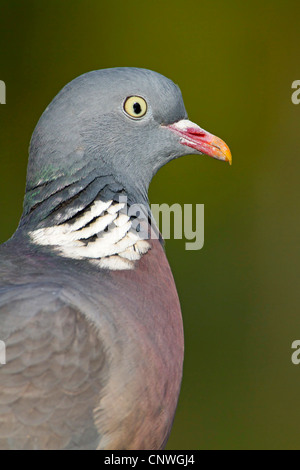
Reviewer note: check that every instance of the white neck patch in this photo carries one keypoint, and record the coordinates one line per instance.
(104, 235)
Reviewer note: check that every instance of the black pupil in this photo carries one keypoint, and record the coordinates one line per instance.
(137, 108)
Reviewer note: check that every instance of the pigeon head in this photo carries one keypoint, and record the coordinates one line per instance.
(122, 123)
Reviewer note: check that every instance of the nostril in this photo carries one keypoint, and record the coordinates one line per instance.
(196, 132)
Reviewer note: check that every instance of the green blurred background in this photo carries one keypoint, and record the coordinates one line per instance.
(235, 63)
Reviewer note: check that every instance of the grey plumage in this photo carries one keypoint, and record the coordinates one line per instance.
(84, 131)
(94, 355)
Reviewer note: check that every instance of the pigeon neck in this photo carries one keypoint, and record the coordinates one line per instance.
(96, 221)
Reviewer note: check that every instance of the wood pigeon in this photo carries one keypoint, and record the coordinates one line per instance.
(89, 312)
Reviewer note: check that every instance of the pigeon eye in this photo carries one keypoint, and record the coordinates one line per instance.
(135, 106)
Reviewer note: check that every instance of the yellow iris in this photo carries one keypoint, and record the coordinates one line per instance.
(135, 106)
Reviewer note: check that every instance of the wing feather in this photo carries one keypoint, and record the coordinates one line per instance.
(54, 373)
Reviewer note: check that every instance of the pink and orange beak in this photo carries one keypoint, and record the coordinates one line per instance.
(193, 136)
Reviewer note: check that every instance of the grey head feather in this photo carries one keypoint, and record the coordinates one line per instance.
(85, 131)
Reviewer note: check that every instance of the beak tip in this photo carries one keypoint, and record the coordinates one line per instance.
(225, 150)
(229, 159)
